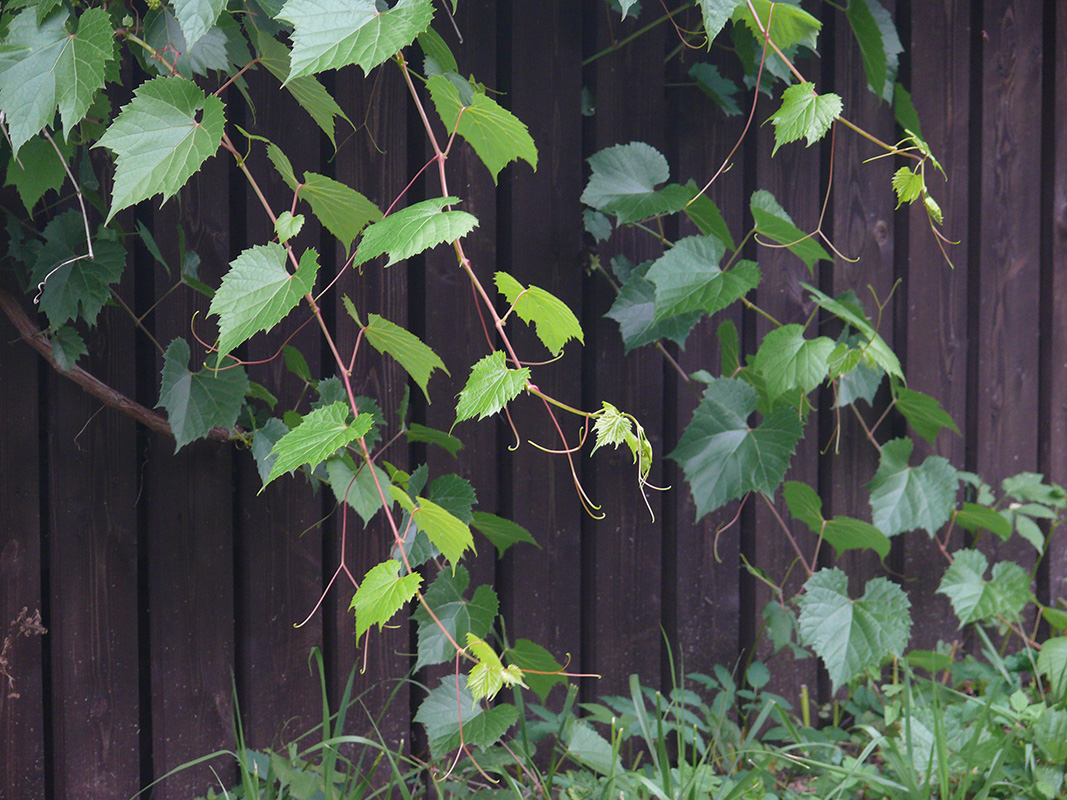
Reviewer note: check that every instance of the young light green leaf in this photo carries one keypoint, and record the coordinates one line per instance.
(458, 615)
(357, 486)
(688, 278)
(287, 226)
(417, 359)
(804, 114)
(501, 533)
(904, 498)
(258, 292)
(41, 170)
(307, 91)
(497, 135)
(330, 34)
(196, 402)
(556, 323)
(447, 532)
(444, 708)
(490, 387)
(849, 635)
(1052, 663)
(412, 230)
(877, 348)
(790, 24)
(489, 675)
(908, 185)
(381, 594)
(789, 361)
(923, 413)
(45, 66)
(974, 599)
(74, 286)
(611, 427)
(67, 347)
(161, 138)
(343, 211)
(722, 457)
(323, 431)
(879, 42)
(422, 433)
(624, 180)
(635, 311)
(773, 222)
(196, 17)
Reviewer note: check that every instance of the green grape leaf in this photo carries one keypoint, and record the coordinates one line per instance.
(490, 387)
(527, 655)
(357, 486)
(624, 180)
(804, 114)
(307, 91)
(716, 13)
(904, 112)
(974, 599)
(412, 230)
(455, 495)
(434, 48)
(722, 457)
(501, 533)
(196, 16)
(381, 594)
(789, 361)
(45, 66)
(790, 25)
(286, 226)
(444, 708)
(1050, 732)
(161, 138)
(635, 311)
(1031, 487)
(688, 278)
(596, 225)
(417, 359)
(707, 217)
(75, 286)
(343, 211)
(859, 376)
(263, 441)
(973, 517)
(908, 185)
(611, 427)
(258, 292)
(196, 402)
(879, 42)
(67, 347)
(422, 433)
(448, 533)
(458, 615)
(924, 414)
(773, 222)
(489, 675)
(41, 170)
(843, 533)
(497, 135)
(556, 323)
(729, 347)
(876, 347)
(322, 433)
(851, 636)
(1052, 663)
(222, 47)
(330, 34)
(904, 498)
(721, 90)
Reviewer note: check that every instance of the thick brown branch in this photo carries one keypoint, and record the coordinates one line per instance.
(90, 383)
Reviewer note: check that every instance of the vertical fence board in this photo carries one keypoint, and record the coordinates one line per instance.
(936, 337)
(630, 106)
(545, 240)
(22, 724)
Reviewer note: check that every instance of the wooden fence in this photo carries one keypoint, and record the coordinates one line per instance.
(164, 580)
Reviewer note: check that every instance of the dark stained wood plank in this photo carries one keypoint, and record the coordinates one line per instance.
(93, 485)
(544, 240)
(190, 527)
(1008, 270)
(279, 541)
(22, 723)
(935, 342)
(627, 543)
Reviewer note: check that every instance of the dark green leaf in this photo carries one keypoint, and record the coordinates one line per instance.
(67, 347)
(421, 433)
(790, 24)
(196, 17)
(196, 402)
(973, 517)
(455, 495)
(624, 180)
(974, 599)
(789, 361)
(879, 43)
(721, 90)
(358, 487)
(343, 211)
(527, 655)
(451, 702)
(688, 278)
(502, 533)
(904, 498)
(40, 170)
(418, 360)
(924, 414)
(877, 348)
(635, 311)
(322, 433)
(773, 222)
(457, 614)
(707, 217)
(263, 442)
